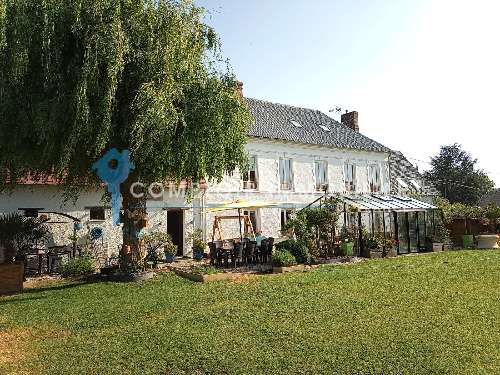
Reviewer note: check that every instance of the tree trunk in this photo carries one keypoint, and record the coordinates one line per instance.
(134, 219)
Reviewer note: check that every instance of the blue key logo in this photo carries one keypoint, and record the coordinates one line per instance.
(113, 168)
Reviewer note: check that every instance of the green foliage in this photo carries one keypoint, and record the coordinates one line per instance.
(455, 175)
(77, 78)
(198, 243)
(297, 248)
(205, 269)
(19, 233)
(314, 226)
(442, 233)
(80, 266)
(283, 258)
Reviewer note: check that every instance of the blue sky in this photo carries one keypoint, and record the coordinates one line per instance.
(420, 73)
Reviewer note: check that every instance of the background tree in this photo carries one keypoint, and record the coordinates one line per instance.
(78, 78)
(455, 175)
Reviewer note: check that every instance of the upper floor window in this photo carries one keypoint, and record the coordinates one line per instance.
(250, 176)
(350, 177)
(374, 178)
(321, 173)
(285, 167)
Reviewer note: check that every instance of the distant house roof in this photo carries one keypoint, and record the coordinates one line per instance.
(491, 197)
(405, 177)
(302, 125)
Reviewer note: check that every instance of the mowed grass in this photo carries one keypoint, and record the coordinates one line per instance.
(429, 314)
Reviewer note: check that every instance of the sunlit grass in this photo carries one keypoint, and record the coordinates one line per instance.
(434, 313)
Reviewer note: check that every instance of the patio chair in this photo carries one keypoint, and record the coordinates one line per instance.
(212, 253)
(250, 252)
(237, 255)
(263, 250)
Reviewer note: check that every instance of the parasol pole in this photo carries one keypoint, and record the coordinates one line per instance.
(239, 222)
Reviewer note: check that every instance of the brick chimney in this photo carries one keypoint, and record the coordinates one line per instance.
(350, 119)
(239, 88)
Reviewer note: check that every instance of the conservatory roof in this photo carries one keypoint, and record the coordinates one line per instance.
(368, 202)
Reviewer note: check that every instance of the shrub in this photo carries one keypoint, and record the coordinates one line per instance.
(283, 258)
(80, 266)
(297, 248)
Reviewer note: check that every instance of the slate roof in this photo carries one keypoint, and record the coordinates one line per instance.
(273, 121)
(401, 168)
(492, 197)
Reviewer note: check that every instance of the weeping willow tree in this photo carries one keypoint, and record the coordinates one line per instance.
(78, 78)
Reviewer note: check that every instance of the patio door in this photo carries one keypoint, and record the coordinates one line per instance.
(175, 227)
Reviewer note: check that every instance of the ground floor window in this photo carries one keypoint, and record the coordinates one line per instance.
(97, 213)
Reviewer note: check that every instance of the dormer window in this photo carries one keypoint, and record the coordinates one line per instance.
(250, 176)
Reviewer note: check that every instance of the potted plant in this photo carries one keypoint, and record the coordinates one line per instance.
(389, 247)
(170, 250)
(488, 239)
(440, 237)
(371, 245)
(198, 244)
(347, 243)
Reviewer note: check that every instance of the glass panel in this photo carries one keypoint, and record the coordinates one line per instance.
(413, 231)
(403, 242)
(421, 228)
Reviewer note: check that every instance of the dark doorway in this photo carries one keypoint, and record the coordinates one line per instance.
(175, 227)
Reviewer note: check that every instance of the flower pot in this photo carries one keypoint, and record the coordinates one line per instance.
(11, 277)
(437, 246)
(169, 258)
(198, 255)
(347, 248)
(468, 241)
(487, 241)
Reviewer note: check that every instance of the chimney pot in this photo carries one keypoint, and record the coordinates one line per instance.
(350, 119)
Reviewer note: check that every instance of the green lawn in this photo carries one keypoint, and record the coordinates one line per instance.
(433, 313)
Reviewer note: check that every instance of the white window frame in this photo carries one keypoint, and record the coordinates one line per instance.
(285, 185)
(247, 183)
(374, 181)
(352, 184)
(320, 176)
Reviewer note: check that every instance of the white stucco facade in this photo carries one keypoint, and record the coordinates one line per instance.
(195, 213)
